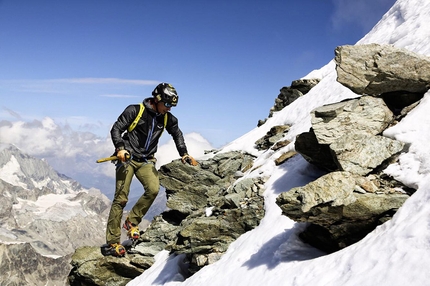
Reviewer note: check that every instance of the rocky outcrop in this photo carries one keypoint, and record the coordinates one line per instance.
(209, 206)
(345, 136)
(346, 140)
(274, 139)
(340, 209)
(215, 205)
(90, 267)
(289, 94)
(380, 69)
(365, 115)
(273, 136)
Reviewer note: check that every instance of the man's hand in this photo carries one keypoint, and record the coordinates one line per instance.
(123, 155)
(188, 159)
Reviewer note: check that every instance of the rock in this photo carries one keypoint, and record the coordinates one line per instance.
(284, 157)
(189, 188)
(31, 268)
(304, 85)
(280, 144)
(315, 153)
(275, 134)
(364, 115)
(344, 136)
(339, 215)
(90, 267)
(288, 94)
(345, 139)
(334, 189)
(361, 154)
(375, 69)
(207, 238)
(236, 205)
(210, 206)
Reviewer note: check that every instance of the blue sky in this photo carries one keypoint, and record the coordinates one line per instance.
(82, 62)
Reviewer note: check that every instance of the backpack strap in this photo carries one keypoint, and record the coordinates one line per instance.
(136, 120)
(139, 115)
(165, 123)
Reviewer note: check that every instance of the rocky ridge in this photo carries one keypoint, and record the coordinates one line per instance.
(288, 94)
(213, 204)
(209, 206)
(346, 139)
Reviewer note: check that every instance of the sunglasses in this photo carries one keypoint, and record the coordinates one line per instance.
(168, 105)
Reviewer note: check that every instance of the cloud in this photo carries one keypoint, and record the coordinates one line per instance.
(75, 153)
(12, 113)
(364, 13)
(68, 151)
(196, 146)
(44, 138)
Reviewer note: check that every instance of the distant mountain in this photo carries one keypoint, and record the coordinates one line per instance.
(45, 213)
(30, 173)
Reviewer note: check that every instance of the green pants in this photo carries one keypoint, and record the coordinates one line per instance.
(148, 177)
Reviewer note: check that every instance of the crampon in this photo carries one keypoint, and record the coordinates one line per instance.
(114, 249)
(132, 230)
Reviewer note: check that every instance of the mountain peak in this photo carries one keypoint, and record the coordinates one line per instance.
(20, 169)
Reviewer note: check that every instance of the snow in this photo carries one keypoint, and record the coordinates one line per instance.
(55, 207)
(395, 253)
(11, 171)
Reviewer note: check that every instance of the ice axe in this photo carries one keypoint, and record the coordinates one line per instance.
(112, 158)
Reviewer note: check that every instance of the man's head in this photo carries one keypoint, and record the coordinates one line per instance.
(166, 93)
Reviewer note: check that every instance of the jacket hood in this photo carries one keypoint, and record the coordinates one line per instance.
(148, 106)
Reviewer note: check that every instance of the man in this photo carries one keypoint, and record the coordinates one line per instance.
(135, 150)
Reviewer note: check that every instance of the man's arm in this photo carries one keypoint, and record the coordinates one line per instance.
(177, 135)
(121, 125)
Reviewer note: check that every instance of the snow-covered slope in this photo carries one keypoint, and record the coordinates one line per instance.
(396, 253)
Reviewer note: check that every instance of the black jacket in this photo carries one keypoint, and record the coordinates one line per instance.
(143, 140)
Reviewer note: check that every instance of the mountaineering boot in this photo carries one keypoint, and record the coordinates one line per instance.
(114, 249)
(132, 230)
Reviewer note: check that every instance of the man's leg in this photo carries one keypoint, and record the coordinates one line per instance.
(122, 189)
(148, 177)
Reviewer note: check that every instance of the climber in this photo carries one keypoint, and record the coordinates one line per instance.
(135, 151)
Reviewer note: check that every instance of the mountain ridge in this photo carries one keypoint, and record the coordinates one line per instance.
(44, 216)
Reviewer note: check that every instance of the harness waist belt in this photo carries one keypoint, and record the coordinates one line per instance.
(142, 159)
